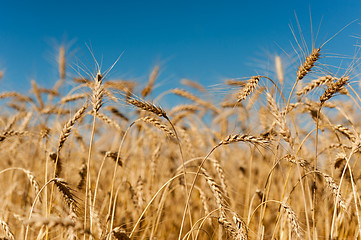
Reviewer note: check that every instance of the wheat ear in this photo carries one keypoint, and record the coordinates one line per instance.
(119, 234)
(73, 97)
(7, 230)
(308, 63)
(69, 125)
(146, 106)
(345, 131)
(333, 89)
(292, 218)
(193, 84)
(186, 94)
(155, 122)
(67, 193)
(117, 113)
(98, 93)
(243, 138)
(153, 76)
(279, 69)
(108, 121)
(314, 84)
(248, 88)
(62, 62)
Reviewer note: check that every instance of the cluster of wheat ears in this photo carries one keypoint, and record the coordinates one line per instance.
(269, 162)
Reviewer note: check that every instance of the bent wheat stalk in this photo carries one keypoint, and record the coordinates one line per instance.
(230, 139)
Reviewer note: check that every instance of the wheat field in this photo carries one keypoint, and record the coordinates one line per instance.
(275, 158)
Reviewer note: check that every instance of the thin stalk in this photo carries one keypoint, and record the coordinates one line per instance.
(88, 179)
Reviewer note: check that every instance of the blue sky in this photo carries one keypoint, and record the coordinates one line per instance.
(206, 41)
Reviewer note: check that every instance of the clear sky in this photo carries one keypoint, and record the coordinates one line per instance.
(206, 41)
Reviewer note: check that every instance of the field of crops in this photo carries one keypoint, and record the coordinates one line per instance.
(276, 158)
